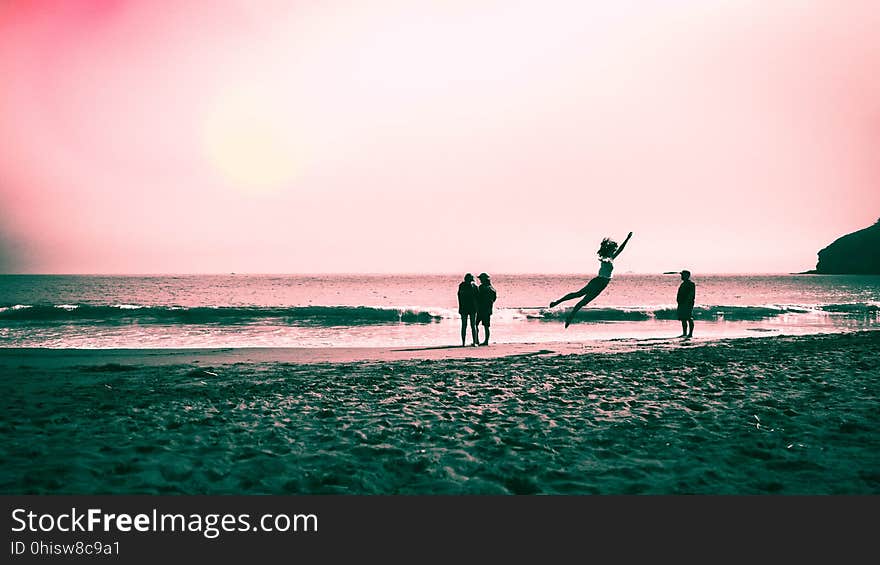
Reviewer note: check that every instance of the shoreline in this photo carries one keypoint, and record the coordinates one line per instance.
(65, 358)
(52, 358)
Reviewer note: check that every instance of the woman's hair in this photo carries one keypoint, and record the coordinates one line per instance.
(607, 248)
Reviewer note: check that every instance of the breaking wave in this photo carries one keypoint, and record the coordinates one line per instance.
(706, 313)
(370, 315)
(226, 315)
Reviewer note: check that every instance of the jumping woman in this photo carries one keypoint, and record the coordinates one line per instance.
(608, 252)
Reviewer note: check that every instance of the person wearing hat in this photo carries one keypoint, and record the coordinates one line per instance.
(485, 300)
(467, 307)
(687, 292)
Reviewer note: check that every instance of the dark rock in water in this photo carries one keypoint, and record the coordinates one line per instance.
(201, 373)
(857, 253)
(108, 368)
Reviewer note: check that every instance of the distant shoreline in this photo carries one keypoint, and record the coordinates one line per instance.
(815, 272)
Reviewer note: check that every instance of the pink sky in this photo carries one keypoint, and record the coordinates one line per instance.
(442, 136)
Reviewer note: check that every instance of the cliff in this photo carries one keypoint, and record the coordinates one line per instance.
(857, 253)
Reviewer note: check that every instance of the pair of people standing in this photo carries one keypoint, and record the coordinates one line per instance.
(475, 306)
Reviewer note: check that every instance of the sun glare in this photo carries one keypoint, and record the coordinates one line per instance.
(245, 142)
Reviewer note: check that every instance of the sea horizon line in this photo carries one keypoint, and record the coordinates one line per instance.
(394, 273)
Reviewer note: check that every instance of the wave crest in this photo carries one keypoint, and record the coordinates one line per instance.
(227, 315)
(707, 313)
(329, 316)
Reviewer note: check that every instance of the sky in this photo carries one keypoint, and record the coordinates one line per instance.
(434, 136)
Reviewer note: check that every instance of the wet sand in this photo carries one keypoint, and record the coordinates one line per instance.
(789, 415)
(60, 358)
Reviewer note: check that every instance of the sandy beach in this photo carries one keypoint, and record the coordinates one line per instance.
(781, 415)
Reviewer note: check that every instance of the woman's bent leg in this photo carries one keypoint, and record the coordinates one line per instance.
(593, 289)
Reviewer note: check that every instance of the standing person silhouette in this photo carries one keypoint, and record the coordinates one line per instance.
(608, 252)
(687, 292)
(467, 307)
(485, 300)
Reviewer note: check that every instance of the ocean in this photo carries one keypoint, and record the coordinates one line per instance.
(195, 311)
(625, 413)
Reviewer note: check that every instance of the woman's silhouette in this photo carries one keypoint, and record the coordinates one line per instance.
(608, 252)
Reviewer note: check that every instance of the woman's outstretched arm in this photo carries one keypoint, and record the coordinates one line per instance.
(622, 245)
